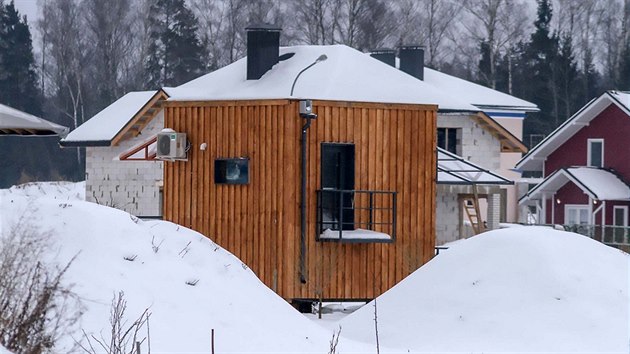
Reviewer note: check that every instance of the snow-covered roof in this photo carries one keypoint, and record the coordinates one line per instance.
(478, 95)
(346, 75)
(533, 161)
(101, 129)
(453, 169)
(16, 122)
(597, 183)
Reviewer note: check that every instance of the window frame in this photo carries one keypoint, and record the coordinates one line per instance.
(589, 151)
(225, 180)
(457, 144)
(625, 214)
(578, 208)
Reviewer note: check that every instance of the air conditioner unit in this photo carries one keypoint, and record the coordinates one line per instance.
(171, 145)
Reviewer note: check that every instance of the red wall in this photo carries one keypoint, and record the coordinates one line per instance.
(613, 126)
(571, 194)
(568, 194)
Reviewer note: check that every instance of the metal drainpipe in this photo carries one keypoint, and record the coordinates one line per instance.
(303, 205)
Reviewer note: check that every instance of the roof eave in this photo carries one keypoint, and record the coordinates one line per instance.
(85, 143)
(159, 96)
(536, 151)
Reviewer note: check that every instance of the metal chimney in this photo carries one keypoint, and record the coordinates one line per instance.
(263, 47)
(412, 60)
(386, 55)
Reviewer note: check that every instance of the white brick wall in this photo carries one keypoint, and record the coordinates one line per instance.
(477, 144)
(132, 186)
(482, 148)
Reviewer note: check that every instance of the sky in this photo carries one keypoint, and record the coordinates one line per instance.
(28, 8)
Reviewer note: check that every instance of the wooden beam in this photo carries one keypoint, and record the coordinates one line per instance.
(376, 105)
(224, 103)
(159, 96)
(509, 143)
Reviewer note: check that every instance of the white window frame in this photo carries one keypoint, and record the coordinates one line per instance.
(625, 214)
(588, 151)
(577, 207)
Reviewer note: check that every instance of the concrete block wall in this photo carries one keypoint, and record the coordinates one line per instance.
(448, 215)
(132, 186)
(477, 144)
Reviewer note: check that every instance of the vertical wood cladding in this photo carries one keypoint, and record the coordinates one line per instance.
(260, 222)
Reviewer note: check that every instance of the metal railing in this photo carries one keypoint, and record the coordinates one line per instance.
(347, 210)
(608, 234)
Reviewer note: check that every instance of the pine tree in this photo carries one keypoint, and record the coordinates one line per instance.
(18, 78)
(175, 50)
(539, 76)
(23, 159)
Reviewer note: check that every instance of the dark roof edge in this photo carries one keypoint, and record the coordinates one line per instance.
(77, 143)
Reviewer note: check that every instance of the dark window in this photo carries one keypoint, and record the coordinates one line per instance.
(231, 171)
(338, 174)
(596, 152)
(447, 139)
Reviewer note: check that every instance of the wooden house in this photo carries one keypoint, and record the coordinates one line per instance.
(341, 206)
(585, 169)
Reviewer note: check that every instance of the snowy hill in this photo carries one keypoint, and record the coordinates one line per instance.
(522, 289)
(526, 289)
(115, 251)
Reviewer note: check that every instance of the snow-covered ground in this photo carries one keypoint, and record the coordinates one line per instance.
(115, 251)
(524, 289)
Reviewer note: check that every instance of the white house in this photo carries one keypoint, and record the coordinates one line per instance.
(120, 166)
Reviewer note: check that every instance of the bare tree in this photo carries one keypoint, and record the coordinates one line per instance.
(109, 24)
(316, 21)
(36, 309)
(60, 24)
(124, 338)
(498, 24)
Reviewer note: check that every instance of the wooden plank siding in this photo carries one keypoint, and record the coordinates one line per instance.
(260, 222)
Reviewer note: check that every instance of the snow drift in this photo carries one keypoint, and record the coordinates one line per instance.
(189, 284)
(528, 289)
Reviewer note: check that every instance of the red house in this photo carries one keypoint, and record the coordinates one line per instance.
(584, 163)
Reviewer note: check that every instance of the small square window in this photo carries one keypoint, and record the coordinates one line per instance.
(231, 171)
(447, 139)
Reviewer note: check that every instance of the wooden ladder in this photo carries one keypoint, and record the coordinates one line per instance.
(471, 206)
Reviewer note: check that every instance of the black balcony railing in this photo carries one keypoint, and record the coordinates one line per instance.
(348, 211)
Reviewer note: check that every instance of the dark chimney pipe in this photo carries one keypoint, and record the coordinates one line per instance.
(263, 47)
(412, 60)
(387, 56)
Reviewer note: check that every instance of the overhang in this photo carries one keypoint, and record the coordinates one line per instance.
(123, 119)
(453, 169)
(16, 122)
(533, 161)
(597, 183)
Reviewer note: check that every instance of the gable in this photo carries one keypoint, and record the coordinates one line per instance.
(613, 126)
(123, 119)
(533, 161)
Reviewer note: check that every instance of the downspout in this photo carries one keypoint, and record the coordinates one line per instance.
(303, 204)
(308, 115)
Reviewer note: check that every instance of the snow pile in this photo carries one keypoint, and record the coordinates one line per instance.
(525, 289)
(55, 190)
(189, 284)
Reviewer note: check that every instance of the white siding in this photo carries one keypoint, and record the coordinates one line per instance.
(132, 186)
